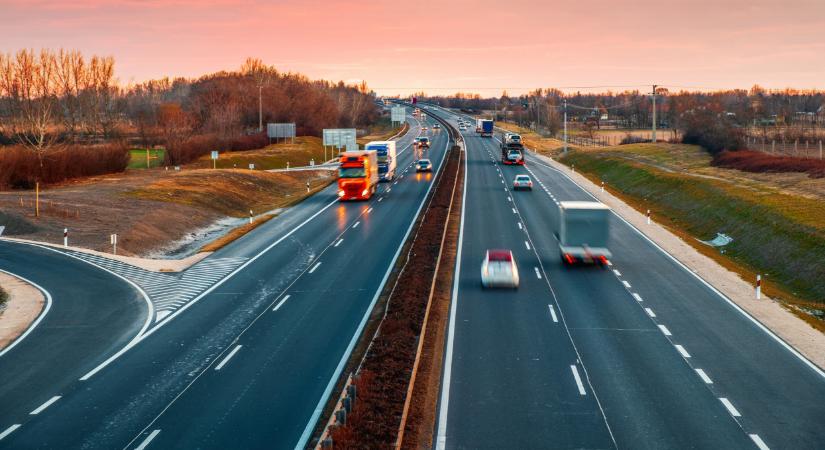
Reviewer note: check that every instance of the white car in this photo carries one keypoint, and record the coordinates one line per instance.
(522, 182)
(499, 270)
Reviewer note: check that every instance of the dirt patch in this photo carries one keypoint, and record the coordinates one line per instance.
(24, 304)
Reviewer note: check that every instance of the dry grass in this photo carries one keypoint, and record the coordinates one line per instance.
(382, 136)
(236, 233)
(234, 192)
(273, 156)
(534, 141)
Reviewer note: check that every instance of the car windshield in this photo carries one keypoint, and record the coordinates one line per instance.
(523, 178)
(351, 172)
(424, 162)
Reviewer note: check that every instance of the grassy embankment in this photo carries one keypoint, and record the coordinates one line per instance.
(777, 232)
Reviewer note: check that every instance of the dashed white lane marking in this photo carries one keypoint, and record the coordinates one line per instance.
(527, 244)
(315, 267)
(45, 405)
(704, 376)
(538, 274)
(553, 313)
(228, 357)
(9, 431)
(148, 439)
(509, 199)
(578, 380)
(283, 300)
(381, 198)
(369, 210)
(729, 406)
(759, 442)
(618, 274)
(389, 189)
(682, 351)
(338, 243)
(356, 224)
(626, 284)
(514, 210)
(609, 264)
(650, 312)
(665, 330)
(520, 227)
(637, 297)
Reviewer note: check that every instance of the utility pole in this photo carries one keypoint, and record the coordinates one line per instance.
(565, 125)
(260, 108)
(654, 113)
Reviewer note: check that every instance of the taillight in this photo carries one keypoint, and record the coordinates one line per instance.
(569, 258)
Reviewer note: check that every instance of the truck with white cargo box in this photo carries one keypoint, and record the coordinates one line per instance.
(385, 152)
(583, 232)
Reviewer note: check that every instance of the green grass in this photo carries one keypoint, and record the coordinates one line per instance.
(769, 237)
(138, 158)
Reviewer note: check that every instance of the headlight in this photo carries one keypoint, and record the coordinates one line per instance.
(340, 193)
(365, 192)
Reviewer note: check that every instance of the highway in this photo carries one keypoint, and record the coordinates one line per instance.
(642, 354)
(251, 361)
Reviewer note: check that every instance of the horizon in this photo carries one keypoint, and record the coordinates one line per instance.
(690, 46)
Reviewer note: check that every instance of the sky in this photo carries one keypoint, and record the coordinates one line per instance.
(441, 47)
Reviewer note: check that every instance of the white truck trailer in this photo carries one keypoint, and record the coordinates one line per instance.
(583, 232)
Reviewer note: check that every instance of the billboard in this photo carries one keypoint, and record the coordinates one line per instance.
(340, 138)
(398, 114)
(280, 130)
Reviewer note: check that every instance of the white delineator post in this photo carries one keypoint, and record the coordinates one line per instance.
(65, 237)
(250, 216)
(758, 287)
(113, 240)
(602, 186)
(307, 186)
(648, 217)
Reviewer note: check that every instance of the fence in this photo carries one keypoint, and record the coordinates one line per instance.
(798, 148)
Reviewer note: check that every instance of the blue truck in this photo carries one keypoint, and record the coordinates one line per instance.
(484, 127)
(385, 151)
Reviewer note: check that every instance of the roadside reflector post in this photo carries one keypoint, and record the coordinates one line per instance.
(113, 240)
(37, 199)
(648, 217)
(602, 186)
(250, 216)
(820, 149)
(65, 237)
(287, 165)
(307, 186)
(758, 287)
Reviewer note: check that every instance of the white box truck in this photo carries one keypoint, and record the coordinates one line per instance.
(385, 151)
(583, 232)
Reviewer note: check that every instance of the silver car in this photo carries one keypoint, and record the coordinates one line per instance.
(499, 270)
(522, 182)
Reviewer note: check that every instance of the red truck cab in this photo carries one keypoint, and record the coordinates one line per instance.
(357, 175)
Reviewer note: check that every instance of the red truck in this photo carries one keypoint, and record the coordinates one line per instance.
(357, 175)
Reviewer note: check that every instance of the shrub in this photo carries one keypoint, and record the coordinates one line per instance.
(710, 131)
(20, 167)
(752, 161)
(197, 146)
(4, 297)
(631, 139)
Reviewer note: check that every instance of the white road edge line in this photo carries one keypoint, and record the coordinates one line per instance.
(44, 405)
(315, 267)
(704, 376)
(729, 406)
(319, 408)
(9, 431)
(553, 314)
(283, 300)
(39, 317)
(759, 442)
(228, 357)
(682, 351)
(578, 380)
(148, 439)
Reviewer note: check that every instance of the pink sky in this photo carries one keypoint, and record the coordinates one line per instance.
(480, 45)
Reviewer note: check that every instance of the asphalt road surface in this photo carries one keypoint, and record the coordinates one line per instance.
(641, 354)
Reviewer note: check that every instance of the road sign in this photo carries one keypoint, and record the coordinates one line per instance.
(280, 130)
(398, 114)
(214, 154)
(340, 138)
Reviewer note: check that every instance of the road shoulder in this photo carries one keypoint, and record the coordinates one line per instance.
(22, 309)
(794, 331)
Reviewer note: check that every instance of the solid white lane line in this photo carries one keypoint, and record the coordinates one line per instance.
(538, 274)
(283, 300)
(45, 405)
(729, 406)
(618, 274)
(637, 297)
(228, 357)
(665, 330)
(626, 284)
(578, 380)
(682, 351)
(148, 439)
(527, 244)
(553, 314)
(650, 312)
(520, 227)
(9, 430)
(338, 243)
(759, 442)
(315, 267)
(355, 225)
(704, 376)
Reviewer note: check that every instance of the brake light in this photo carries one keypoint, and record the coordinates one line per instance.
(603, 259)
(569, 258)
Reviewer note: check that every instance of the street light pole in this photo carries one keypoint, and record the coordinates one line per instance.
(260, 108)
(654, 114)
(565, 125)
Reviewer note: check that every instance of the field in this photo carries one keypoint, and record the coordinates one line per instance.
(137, 158)
(696, 201)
